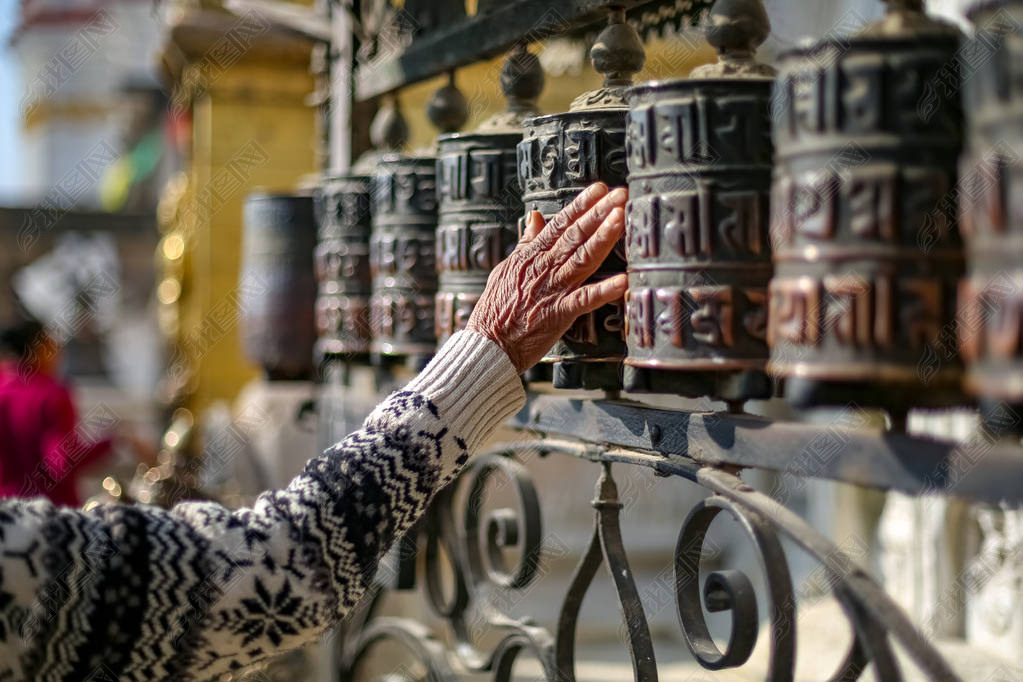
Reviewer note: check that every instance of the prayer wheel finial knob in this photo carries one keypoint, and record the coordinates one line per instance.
(908, 18)
(389, 130)
(522, 79)
(618, 52)
(448, 109)
(736, 28)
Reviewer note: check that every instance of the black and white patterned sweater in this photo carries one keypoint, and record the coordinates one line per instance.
(141, 593)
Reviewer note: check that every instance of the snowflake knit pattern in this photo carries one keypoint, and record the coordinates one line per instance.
(142, 593)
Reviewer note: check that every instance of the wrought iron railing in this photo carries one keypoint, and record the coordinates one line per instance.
(710, 449)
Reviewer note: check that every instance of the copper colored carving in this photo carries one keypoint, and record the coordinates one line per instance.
(699, 261)
(479, 197)
(559, 156)
(866, 247)
(402, 258)
(991, 296)
(342, 266)
(344, 205)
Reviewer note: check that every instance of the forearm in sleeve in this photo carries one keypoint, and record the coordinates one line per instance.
(198, 590)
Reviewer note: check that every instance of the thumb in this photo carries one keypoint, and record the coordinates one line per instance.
(534, 222)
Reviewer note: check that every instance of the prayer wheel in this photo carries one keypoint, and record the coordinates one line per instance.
(479, 197)
(277, 289)
(699, 262)
(342, 206)
(866, 246)
(991, 296)
(559, 156)
(402, 259)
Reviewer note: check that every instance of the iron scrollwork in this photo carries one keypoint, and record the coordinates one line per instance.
(415, 638)
(732, 590)
(474, 551)
(606, 546)
(474, 541)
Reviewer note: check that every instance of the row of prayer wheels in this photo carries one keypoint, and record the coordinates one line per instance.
(792, 231)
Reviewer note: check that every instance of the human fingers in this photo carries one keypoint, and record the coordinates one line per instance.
(579, 232)
(591, 296)
(534, 222)
(568, 215)
(586, 258)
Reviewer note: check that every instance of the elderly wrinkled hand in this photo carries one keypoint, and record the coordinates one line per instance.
(534, 295)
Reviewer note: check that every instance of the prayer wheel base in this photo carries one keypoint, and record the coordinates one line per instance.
(727, 386)
(806, 393)
(587, 376)
(538, 374)
(1001, 419)
(331, 350)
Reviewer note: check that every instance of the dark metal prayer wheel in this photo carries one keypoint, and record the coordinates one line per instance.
(278, 330)
(342, 205)
(866, 249)
(991, 296)
(479, 197)
(559, 156)
(403, 243)
(402, 258)
(699, 261)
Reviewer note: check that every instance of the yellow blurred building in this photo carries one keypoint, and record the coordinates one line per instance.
(242, 87)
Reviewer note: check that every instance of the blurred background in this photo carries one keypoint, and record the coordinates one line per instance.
(88, 146)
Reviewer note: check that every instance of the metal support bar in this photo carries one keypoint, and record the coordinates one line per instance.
(481, 36)
(979, 468)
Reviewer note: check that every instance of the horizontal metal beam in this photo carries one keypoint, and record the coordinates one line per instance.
(482, 36)
(977, 469)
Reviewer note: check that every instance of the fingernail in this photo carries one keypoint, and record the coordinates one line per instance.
(596, 188)
(620, 194)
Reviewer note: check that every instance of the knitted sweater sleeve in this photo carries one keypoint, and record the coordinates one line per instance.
(140, 593)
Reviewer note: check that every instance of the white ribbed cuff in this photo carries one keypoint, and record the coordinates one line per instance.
(474, 385)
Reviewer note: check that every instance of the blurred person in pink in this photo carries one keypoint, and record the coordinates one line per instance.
(42, 449)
